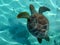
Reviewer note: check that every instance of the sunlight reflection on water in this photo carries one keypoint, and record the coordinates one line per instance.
(14, 31)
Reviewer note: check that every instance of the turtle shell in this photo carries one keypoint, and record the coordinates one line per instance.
(37, 25)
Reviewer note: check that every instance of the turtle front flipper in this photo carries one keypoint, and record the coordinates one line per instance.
(43, 9)
(23, 15)
(32, 9)
(39, 40)
(47, 38)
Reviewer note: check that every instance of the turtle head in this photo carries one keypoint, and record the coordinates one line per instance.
(32, 9)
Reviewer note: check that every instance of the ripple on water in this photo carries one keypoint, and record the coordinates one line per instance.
(13, 32)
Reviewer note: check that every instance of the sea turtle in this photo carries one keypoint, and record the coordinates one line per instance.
(37, 23)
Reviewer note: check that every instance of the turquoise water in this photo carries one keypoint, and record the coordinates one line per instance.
(14, 31)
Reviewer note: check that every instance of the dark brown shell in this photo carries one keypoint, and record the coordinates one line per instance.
(37, 25)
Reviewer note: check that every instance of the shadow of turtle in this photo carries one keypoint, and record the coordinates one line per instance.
(19, 32)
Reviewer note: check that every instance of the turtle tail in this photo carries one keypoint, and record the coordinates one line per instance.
(43, 9)
(39, 40)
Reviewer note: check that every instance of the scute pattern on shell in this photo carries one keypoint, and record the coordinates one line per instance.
(37, 25)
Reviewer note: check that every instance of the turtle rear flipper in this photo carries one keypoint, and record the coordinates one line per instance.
(23, 15)
(47, 38)
(43, 9)
(39, 40)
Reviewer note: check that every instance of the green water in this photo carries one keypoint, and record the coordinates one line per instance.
(14, 31)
